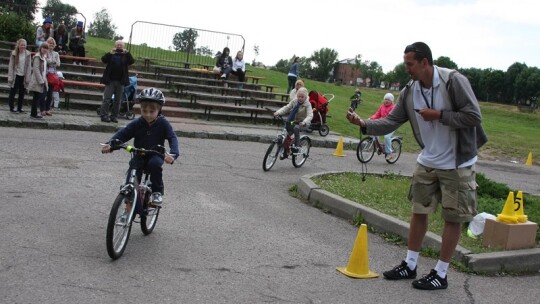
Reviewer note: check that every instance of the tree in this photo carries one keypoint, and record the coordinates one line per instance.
(102, 26)
(204, 51)
(26, 9)
(323, 62)
(510, 79)
(398, 74)
(185, 41)
(15, 26)
(474, 76)
(445, 62)
(491, 84)
(60, 13)
(256, 51)
(527, 85)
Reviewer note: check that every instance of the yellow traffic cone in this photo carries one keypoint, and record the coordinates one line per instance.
(508, 214)
(520, 211)
(358, 266)
(529, 159)
(339, 148)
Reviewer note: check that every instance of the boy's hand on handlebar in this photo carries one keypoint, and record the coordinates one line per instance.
(106, 148)
(302, 124)
(169, 159)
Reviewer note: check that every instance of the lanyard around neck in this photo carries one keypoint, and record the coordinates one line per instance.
(424, 96)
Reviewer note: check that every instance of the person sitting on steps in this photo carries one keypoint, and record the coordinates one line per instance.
(224, 63)
(300, 116)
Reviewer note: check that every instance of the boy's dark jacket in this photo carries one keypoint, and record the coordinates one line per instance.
(148, 137)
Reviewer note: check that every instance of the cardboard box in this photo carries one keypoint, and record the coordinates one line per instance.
(509, 236)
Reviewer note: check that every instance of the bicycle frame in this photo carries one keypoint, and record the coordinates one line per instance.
(138, 191)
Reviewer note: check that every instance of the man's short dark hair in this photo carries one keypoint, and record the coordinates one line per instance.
(421, 51)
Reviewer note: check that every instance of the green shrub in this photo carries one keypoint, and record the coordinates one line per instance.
(13, 27)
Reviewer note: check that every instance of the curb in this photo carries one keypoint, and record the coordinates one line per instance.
(524, 260)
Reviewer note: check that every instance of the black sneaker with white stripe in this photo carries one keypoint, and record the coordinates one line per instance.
(431, 281)
(401, 271)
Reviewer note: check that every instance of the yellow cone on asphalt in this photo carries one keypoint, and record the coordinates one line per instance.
(529, 159)
(339, 148)
(358, 266)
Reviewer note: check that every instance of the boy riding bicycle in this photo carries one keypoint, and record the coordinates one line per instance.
(300, 116)
(149, 131)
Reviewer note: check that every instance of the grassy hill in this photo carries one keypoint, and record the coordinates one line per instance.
(512, 134)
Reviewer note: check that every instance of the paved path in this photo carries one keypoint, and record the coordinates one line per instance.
(517, 176)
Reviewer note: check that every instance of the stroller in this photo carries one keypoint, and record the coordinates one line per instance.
(128, 99)
(320, 108)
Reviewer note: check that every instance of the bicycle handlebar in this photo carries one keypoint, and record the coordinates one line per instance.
(117, 145)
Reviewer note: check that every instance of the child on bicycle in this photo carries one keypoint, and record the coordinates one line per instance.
(300, 116)
(149, 131)
(383, 111)
(356, 99)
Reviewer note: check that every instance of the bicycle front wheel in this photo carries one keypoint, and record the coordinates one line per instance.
(299, 158)
(365, 150)
(396, 148)
(118, 227)
(271, 156)
(149, 220)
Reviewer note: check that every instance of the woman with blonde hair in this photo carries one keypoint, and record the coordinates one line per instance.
(19, 73)
(38, 81)
(297, 85)
(53, 62)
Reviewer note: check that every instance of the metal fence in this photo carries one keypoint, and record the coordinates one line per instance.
(171, 45)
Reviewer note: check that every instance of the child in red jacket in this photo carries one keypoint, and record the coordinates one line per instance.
(58, 87)
(383, 111)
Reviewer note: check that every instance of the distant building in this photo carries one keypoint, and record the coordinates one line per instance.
(346, 73)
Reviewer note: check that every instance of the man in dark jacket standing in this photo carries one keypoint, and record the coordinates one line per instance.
(115, 77)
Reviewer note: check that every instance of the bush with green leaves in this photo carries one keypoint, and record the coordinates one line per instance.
(13, 27)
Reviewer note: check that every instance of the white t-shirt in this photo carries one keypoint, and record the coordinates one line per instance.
(438, 152)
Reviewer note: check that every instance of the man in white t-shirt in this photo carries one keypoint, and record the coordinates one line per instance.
(445, 117)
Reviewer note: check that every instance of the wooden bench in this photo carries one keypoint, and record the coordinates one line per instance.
(253, 111)
(67, 94)
(526, 108)
(77, 58)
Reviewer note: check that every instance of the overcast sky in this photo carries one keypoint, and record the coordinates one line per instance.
(481, 34)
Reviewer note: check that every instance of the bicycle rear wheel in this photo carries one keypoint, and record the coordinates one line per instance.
(118, 227)
(365, 150)
(149, 220)
(299, 158)
(271, 156)
(396, 148)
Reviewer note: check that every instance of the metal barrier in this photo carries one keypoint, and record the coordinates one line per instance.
(178, 46)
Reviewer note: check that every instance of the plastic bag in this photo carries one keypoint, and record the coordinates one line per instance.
(476, 226)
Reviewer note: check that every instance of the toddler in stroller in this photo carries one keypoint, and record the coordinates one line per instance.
(128, 99)
(319, 103)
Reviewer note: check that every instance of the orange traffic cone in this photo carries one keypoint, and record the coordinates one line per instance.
(358, 266)
(339, 148)
(520, 211)
(508, 214)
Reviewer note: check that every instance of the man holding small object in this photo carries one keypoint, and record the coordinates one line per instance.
(115, 77)
(446, 121)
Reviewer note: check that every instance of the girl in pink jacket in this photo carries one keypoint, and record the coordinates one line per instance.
(383, 111)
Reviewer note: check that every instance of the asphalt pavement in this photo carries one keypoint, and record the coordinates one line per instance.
(517, 176)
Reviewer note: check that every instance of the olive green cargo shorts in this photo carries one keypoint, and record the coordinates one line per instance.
(454, 190)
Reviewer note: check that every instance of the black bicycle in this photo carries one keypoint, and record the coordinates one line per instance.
(134, 198)
(284, 143)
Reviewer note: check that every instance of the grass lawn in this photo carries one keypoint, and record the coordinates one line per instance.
(388, 194)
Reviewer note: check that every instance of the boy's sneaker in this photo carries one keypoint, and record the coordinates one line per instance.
(295, 149)
(431, 281)
(401, 271)
(157, 199)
